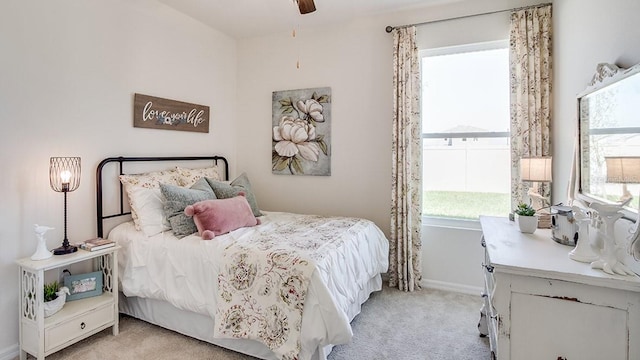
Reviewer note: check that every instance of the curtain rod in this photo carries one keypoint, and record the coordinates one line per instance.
(389, 29)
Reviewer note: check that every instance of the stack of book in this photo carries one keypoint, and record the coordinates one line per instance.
(96, 244)
(544, 221)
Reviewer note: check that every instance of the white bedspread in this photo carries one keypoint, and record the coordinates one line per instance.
(184, 273)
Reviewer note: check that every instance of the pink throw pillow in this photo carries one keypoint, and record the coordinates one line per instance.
(220, 216)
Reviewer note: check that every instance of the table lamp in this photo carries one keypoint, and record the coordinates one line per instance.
(626, 170)
(623, 170)
(537, 170)
(64, 176)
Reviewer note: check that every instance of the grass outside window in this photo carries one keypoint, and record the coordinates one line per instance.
(465, 205)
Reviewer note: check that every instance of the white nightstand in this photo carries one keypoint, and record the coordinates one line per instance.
(78, 319)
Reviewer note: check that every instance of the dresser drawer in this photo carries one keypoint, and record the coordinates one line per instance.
(77, 327)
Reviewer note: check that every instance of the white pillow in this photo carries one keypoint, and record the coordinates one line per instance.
(188, 177)
(150, 180)
(149, 206)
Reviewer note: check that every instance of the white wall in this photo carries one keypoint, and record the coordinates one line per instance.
(451, 259)
(355, 60)
(69, 71)
(586, 32)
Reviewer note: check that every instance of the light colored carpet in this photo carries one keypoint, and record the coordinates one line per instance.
(424, 325)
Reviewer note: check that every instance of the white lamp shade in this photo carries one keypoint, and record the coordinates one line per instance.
(623, 169)
(535, 169)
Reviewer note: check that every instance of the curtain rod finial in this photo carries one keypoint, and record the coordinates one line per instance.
(388, 29)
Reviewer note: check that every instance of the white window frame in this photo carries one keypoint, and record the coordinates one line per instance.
(445, 222)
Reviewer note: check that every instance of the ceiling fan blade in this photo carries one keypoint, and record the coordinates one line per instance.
(306, 6)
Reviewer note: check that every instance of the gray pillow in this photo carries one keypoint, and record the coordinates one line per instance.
(177, 198)
(225, 190)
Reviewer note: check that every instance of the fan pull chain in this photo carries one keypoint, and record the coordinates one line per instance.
(293, 34)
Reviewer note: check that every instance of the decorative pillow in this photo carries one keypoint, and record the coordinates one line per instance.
(189, 177)
(150, 180)
(217, 217)
(149, 209)
(177, 198)
(225, 190)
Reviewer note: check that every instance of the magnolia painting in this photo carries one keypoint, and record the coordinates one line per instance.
(302, 132)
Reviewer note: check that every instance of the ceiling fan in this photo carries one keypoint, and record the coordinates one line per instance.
(306, 6)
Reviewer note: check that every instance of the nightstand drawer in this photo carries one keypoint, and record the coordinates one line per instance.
(78, 326)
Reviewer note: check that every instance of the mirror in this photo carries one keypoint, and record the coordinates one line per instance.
(609, 126)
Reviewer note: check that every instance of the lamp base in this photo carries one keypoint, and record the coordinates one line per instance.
(65, 249)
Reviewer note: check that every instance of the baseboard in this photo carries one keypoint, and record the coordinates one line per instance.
(10, 352)
(447, 286)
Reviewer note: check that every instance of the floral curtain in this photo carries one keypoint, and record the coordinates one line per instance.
(406, 204)
(530, 73)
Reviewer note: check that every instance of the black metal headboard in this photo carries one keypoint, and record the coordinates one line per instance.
(120, 160)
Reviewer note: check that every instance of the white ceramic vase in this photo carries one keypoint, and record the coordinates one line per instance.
(583, 251)
(53, 306)
(42, 252)
(527, 224)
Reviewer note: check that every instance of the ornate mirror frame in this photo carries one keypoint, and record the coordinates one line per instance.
(608, 125)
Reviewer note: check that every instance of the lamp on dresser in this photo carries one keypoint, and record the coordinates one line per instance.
(623, 170)
(64, 176)
(626, 170)
(537, 170)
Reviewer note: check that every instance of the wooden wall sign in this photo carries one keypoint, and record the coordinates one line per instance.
(158, 113)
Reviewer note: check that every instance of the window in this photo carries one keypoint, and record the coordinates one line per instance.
(465, 131)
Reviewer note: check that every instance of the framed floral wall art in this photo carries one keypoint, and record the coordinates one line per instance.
(301, 133)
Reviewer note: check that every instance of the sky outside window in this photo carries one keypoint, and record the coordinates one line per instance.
(481, 102)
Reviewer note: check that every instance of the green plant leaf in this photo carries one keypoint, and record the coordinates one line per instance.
(525, 210)
(287, 110)
(281, 163)
(323, 99)
(50, 291)
(285, 102)
(295, 162)
(323, 147)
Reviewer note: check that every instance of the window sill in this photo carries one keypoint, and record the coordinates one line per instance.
(451, 223)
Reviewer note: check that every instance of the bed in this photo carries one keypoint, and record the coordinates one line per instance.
(286, 288)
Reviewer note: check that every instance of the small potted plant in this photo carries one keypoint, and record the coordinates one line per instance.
(526, 218)
(50, 291)
(54, 298)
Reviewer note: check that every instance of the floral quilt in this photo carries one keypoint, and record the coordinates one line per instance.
(263, 281)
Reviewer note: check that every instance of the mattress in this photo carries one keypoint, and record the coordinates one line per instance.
(183, 272)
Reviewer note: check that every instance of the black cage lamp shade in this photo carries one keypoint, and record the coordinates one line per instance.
(64, 176)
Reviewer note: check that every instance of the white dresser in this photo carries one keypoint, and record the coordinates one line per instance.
(540, 304)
